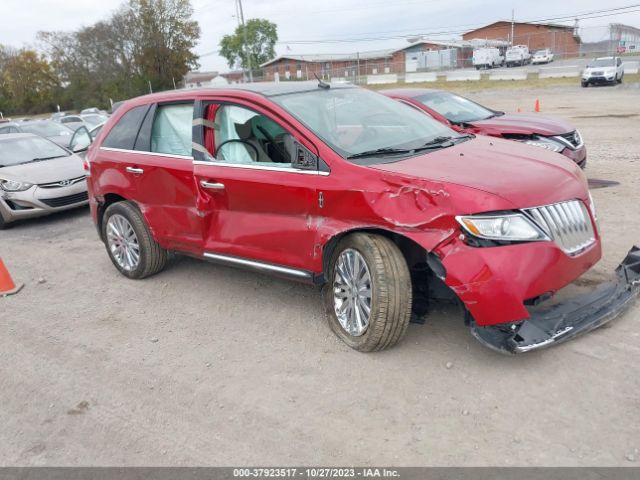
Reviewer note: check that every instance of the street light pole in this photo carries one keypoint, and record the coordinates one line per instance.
(244, 39)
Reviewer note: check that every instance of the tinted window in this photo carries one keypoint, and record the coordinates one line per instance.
(123, 134)
(171, 132)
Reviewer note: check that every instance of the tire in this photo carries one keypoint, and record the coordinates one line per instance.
(3, 224)
(584, 84)
(151, 257)
(390, 293)
(621, 77)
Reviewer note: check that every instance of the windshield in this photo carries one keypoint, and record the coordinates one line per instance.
(46, 129)
(541, 52)
(454, 108)
(14, 151)
(354, 120)
(94, 120)
(602, 62)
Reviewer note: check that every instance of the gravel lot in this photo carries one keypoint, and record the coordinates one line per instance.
(208, 365)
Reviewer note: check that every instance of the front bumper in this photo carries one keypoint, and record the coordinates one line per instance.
(37, 201)
(599, 79)
(570, 318)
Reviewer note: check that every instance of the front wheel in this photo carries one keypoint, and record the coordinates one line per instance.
(620, 79)
(130, 245)
(584, 84)
(369, 292)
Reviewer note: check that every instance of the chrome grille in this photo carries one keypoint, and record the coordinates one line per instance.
(573, 139)
(62, 183)
(568, 224)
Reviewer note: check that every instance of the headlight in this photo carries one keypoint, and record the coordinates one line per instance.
(514, 227)
(14, 186)
(545, 143)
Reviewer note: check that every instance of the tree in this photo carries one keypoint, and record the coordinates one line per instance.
(261, 36)
(143, 41)
(27, 81)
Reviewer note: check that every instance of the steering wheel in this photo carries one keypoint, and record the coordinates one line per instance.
(244, 142)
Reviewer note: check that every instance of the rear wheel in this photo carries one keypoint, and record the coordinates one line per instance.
(369, 293)
(130, 245)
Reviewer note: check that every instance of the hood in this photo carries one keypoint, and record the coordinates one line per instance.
(609, 69)
(524, 123)
(46, 171)
(524, 175)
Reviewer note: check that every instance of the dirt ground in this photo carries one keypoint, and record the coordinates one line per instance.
(207, 365)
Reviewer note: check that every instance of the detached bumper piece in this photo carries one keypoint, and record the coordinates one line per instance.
(569, 318)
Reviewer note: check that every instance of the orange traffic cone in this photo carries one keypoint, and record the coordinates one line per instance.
(537, 106)
(7, 285)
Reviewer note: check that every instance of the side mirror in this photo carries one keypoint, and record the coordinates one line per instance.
(80, 140)
(304, 159)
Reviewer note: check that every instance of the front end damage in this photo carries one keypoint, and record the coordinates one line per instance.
(569, 318)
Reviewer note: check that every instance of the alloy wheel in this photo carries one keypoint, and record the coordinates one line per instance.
(352, 292)
(123, 242)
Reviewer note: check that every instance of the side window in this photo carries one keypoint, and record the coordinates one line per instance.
(123, 134)
(244, 136)
(171, 132)
(619, 61)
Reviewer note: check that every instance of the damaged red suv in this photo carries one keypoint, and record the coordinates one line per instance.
(344, 188)
(464, 115)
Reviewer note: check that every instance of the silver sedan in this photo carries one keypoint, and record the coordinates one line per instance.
(38, 177)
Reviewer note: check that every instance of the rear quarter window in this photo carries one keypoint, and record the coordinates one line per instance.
(123, 134)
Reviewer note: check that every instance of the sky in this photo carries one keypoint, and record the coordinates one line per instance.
(304, 20)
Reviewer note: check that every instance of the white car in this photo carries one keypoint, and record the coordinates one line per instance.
(603, 70)
(518, 55)
(542, 56)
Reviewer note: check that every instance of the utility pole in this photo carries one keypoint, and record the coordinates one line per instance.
(244, 39)
(512, 25)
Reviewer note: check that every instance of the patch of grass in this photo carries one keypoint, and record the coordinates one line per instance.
(533, 82)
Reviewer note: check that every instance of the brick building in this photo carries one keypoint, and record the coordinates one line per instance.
(562, 39)
(411, 58)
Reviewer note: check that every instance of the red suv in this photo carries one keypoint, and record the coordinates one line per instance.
(347, 189)
(464, 115)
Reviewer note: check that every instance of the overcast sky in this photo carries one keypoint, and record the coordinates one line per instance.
(316, 20)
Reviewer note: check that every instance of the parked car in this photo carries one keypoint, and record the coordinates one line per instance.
(465, 115)
(542, 56)
(92, 120)
(56, 132)
(603, 70)
(56, 116)
(487, 58)
(342, 187)
(517, 55)
(95, 110)
(38, 177)
(72, 121)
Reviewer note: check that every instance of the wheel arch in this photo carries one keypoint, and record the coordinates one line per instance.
(109, 199)
(411, 250)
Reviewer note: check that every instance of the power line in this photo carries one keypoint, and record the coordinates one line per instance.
(583, 16)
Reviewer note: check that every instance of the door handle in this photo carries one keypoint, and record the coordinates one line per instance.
(135, 170)
(212, 185)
